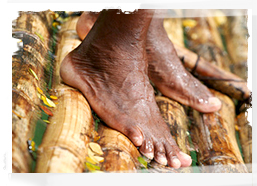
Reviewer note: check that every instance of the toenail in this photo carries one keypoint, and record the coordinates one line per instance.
(214, 101)
(149, 155)
(176, 163)
(185, 156)
(162, 161)
(138, 140)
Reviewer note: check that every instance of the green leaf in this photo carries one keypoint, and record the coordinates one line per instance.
(33, 73)
(91, 167)
(40, 36)
(142, 161)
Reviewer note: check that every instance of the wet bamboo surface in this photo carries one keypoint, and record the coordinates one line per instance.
(214, 134)
(64, 145)
(29, 27)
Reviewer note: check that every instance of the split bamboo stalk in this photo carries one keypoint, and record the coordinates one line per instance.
(64, 145)
(236, 36)
(214, 133)
(120, 154)
(204, 39)
(245, 134)
(25, 102)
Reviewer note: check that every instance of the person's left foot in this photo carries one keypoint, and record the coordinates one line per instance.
(165, 69)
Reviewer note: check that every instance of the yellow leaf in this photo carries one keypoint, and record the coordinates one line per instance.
(237, 127)
(46, 121)
(33, 145)
(47, 101)
(18, 115)
(88, 159)
(39, 90)
(38, 95)
(44, 99)
(33, 73)
(92, 167)
(50, 103)
(53, 97)
(90, 152)
(96, 148)
(99, 159)
(189, 23)
(93, 158)
(96, 138)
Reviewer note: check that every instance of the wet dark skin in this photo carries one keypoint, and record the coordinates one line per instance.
(110, 67)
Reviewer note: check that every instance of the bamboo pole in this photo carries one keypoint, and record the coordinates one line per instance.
(204, 39)
(64, 145)
(214, 133)
(245, 134)
(25, 102)
(120, 154)
(236, 36)
(173, 27)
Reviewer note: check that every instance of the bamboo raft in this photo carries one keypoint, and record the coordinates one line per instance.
(76, 140)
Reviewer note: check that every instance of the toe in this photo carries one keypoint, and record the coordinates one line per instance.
(171, 154)
(185, 159)
(160, 153)
(133, 133)
(147, 149)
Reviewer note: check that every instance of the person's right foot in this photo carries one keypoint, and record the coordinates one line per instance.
(169, 75)
(110, 69)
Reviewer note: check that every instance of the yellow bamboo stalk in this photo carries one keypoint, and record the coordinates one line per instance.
(204, 39)
(245, 134)
(119, 152)
(236, 36)
(31, 58)
(64, 145)
(214, 134)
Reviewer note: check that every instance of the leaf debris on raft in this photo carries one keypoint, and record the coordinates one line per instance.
(142, 161)
(96, 148)
(93, 159)
(47, 101)
(33, 73)
(40, 36)
(53, 97)
(46, 110)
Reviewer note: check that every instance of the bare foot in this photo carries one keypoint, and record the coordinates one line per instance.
(110, 69)
(165, 69)
(169, 75)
